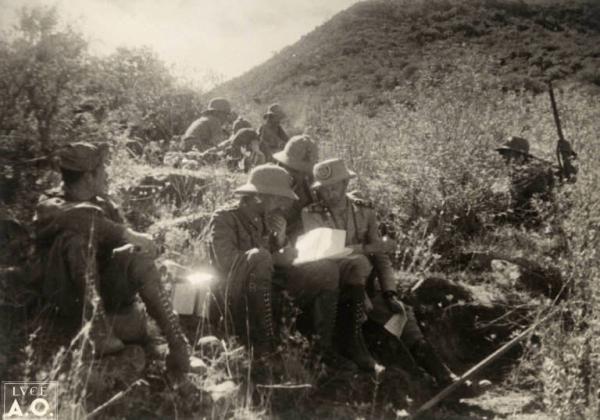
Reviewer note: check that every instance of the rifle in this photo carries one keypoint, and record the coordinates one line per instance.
(479, 366)
(564, 152)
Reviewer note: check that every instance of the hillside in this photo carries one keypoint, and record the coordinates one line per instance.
(377, 46)
(447, 82)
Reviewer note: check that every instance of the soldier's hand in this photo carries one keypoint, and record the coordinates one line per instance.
(143, 241)
(277, 224)
(383, 246)
(285, 256)
(392, 302)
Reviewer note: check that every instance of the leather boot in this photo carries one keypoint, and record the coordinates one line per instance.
(427, 358)
(159, 307)
(356, 348)
(260, 318)
(324, 316)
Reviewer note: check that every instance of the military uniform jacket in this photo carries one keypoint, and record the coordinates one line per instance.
(204, 133)
(66, 232)
(360, 224)
(232, 232)
(97, 219)
(529, 180)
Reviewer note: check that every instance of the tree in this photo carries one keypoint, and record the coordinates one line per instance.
(42, 64)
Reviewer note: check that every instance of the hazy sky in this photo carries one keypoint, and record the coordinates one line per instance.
(223, 36)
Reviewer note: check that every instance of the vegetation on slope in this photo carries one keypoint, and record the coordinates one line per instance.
(377, 46)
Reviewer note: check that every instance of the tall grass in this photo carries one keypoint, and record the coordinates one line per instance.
(430, 159)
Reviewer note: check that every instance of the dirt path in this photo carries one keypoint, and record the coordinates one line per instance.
(495, 404)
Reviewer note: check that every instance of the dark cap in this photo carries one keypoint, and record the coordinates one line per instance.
(81, 156)
(244, 137)
(515, 144)
(240, 123)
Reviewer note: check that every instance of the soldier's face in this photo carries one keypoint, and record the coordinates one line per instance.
(272, 204)
(513, 158)
(335, 193)
(100, 181)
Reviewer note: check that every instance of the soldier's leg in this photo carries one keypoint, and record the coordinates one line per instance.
(85, 284)
(421, 350)
(138, 273)
(315, 286)
(248, 294)
(354, 271)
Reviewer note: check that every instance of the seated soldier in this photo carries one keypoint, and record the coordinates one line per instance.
(247, 247)
(298, 158)
(339, 210)
(86, 250)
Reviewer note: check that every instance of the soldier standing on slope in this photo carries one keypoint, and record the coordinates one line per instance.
(272, 136)
(529, 179)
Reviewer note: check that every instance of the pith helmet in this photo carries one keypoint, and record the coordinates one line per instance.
(244, 137)
(275, 110)
(300, 153)
(515, 144)
(330, 172)
(219, 104)
(268, 179)
(240, 123)
(81, 156)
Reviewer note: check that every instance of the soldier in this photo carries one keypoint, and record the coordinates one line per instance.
(298, 158)
(249, 249)
(272, 136)
(85, 248)
(207, 131)
(529, 178)
(339, 210)
(240, 123)
(253, 157)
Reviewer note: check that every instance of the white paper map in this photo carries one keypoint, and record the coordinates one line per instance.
(321, 243)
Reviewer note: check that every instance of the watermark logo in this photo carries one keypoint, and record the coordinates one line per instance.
(30, 400)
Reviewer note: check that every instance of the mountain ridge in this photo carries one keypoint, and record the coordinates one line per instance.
(376, 46)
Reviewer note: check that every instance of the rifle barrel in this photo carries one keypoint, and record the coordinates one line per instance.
(555, 112)
(478, 367)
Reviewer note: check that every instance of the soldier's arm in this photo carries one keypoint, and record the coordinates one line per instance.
(221, 240)
(91, 222)
(283, 135)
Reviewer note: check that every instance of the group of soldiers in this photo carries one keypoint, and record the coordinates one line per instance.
(219, 135)
(87, 247)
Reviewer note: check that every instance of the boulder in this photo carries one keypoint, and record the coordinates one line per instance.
(466, 323)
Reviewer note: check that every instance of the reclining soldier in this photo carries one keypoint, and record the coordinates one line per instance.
(339, 210)
(87, 251)
(529, 178)
(207, 131)
(248, 247)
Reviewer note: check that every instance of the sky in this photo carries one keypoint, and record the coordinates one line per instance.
(222, 38)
